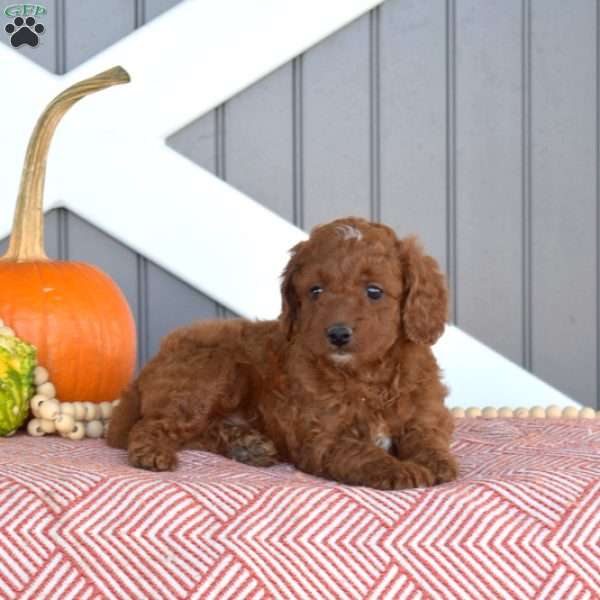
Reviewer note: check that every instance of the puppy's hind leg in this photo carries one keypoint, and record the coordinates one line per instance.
(184, 417)
(233, 438)
(191, 381)
(168, 425)
(154, 442)
(124, 417)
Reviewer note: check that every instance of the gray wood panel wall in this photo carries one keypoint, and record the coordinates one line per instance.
(471, 122)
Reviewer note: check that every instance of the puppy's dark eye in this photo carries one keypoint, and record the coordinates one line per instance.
(374, 292)
(316, 291)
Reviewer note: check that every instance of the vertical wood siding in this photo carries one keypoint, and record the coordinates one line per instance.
(471, 122)
(488, 173)
(412, 121)
(335, 126)
(564, 193)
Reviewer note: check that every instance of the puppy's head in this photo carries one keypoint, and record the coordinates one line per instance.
(353, 288)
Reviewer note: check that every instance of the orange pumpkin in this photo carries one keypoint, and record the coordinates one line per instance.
(74, 314)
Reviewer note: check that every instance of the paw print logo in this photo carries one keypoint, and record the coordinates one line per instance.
(24, 31)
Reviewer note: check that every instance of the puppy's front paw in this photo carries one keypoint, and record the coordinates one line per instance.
(444, 468)
(412, 475)
(146, 456)
(397, 475)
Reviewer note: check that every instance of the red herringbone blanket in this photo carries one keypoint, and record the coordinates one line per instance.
(77, 522)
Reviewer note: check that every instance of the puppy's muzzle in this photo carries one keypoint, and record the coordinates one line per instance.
(339, 335)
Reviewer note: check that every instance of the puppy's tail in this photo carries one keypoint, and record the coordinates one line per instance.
(124, 417)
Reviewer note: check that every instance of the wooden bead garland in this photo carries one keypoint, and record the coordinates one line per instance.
(72, 420)
(535, 412)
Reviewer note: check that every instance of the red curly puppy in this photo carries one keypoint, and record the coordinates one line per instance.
(344, 385)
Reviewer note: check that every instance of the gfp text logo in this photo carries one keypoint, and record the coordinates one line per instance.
(24, 29)
(25, 10)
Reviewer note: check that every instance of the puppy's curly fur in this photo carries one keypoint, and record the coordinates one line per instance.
(366, 408)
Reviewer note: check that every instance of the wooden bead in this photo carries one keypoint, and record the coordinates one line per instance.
(505, 412)
(36, 402)
(473, 411)
(537, 412)
(67, 408)
(47, 426)
(79, 411)
(106, 409)
(521, 413)
(64, 423)
(587, 413)
(570, 412)
(91, 411)
(40, 375)
(93, 429)
(78, 432)
(34, 428)
(47, 389)
(489, 412)
(50, 409)
(553, 412)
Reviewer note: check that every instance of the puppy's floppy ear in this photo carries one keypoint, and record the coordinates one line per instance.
(290, 303)
(425, 308)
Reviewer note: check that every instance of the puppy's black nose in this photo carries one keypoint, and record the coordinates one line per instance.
(339, 335)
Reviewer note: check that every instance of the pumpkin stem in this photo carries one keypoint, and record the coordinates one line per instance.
(27, 237)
